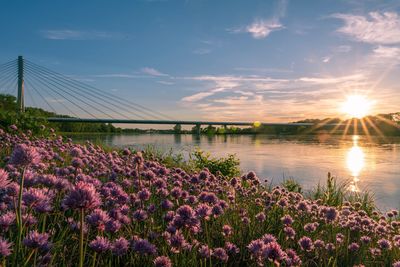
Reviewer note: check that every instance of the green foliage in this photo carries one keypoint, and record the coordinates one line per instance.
(8, 102)
(335, 194)
(168, 158)
(23, 121)
(177, 128)
(228, 166)
(292, 185)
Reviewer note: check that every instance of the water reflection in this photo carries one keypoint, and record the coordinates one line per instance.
(355, 163)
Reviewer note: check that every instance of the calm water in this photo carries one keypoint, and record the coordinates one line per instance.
(372, 165)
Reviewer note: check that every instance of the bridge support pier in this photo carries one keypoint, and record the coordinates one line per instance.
(198, 129)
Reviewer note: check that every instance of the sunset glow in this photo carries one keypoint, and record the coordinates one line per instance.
(357, 106)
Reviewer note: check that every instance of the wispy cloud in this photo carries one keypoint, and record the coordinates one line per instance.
(376, 28)
(326, 59)
(67, 34)
(153, 72)
(261, 28)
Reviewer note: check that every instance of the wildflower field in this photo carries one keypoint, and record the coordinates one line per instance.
(67, 204)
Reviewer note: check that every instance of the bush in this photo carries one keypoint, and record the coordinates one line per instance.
(228, 166)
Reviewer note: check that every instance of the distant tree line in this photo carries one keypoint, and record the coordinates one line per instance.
(34, 118)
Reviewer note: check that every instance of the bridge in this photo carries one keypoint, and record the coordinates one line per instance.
(80, 102)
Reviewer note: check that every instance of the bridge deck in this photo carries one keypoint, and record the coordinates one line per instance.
(173, 122)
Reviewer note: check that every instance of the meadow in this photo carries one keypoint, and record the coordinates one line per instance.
(69, 204)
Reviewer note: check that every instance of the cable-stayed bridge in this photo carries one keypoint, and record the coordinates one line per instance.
(39, 86)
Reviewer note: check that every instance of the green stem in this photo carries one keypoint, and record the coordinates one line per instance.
(94, 259)
(19, 214)
(29, 257)
(81, 256)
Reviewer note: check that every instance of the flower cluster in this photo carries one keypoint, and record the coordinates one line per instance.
(127, 210)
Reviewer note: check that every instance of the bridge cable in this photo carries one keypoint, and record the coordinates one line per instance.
(30, 84)
(6, 74)
(59, 82)
(63, 96)
(5, 82)
(67, 92)
(8, 64)
(98, 92)
(74, 96)
(51, 95)
(105, 94)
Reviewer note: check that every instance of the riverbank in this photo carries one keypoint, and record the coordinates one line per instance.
(136, 211)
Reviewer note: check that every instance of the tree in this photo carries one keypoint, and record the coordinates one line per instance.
(8, 102)
(177, 128)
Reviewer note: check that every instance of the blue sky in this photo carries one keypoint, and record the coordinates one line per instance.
(217, 60)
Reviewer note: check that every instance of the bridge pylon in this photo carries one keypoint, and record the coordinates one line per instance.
(20, 99)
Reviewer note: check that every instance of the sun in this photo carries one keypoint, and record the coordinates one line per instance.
(357, 106)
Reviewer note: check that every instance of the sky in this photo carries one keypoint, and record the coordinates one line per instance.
(270, 61)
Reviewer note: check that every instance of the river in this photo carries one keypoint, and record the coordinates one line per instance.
(368, 163)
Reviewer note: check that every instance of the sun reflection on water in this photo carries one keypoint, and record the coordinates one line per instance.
(355, 163)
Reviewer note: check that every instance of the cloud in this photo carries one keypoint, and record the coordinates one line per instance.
(386, 52)
(377, 28)
(326, 59)
(152, 72)
(67, 34)
(261, 28)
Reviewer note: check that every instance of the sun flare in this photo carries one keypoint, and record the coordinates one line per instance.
(357, 106)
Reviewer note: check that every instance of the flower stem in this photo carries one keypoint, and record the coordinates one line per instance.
(81, 256)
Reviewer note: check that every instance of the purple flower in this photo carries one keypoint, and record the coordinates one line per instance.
(77, 162)
(353, 247)
(231, 248)
(140, 215)
(4, 181)
(203, 211)
(162, 261)
(220, 254)
(82, 196)
(177, 241)
(226, 230)
(144, 194)
(100, 244)
(291, 258)
(217, 210)
(6, 220)
(268, 238)
(35, 240)
(287, 220)
(185, 212)
(5, 247)
(260, 217)
(98, 218)
(384, 244)
(272, 251)
(38, 199)
(166, 204)
(290, 232)
(120, 246)
(331, 214)
(306, 243)
(142, 246)
(24, 155)
(205, 252)
(396, 264)
(255, 247)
